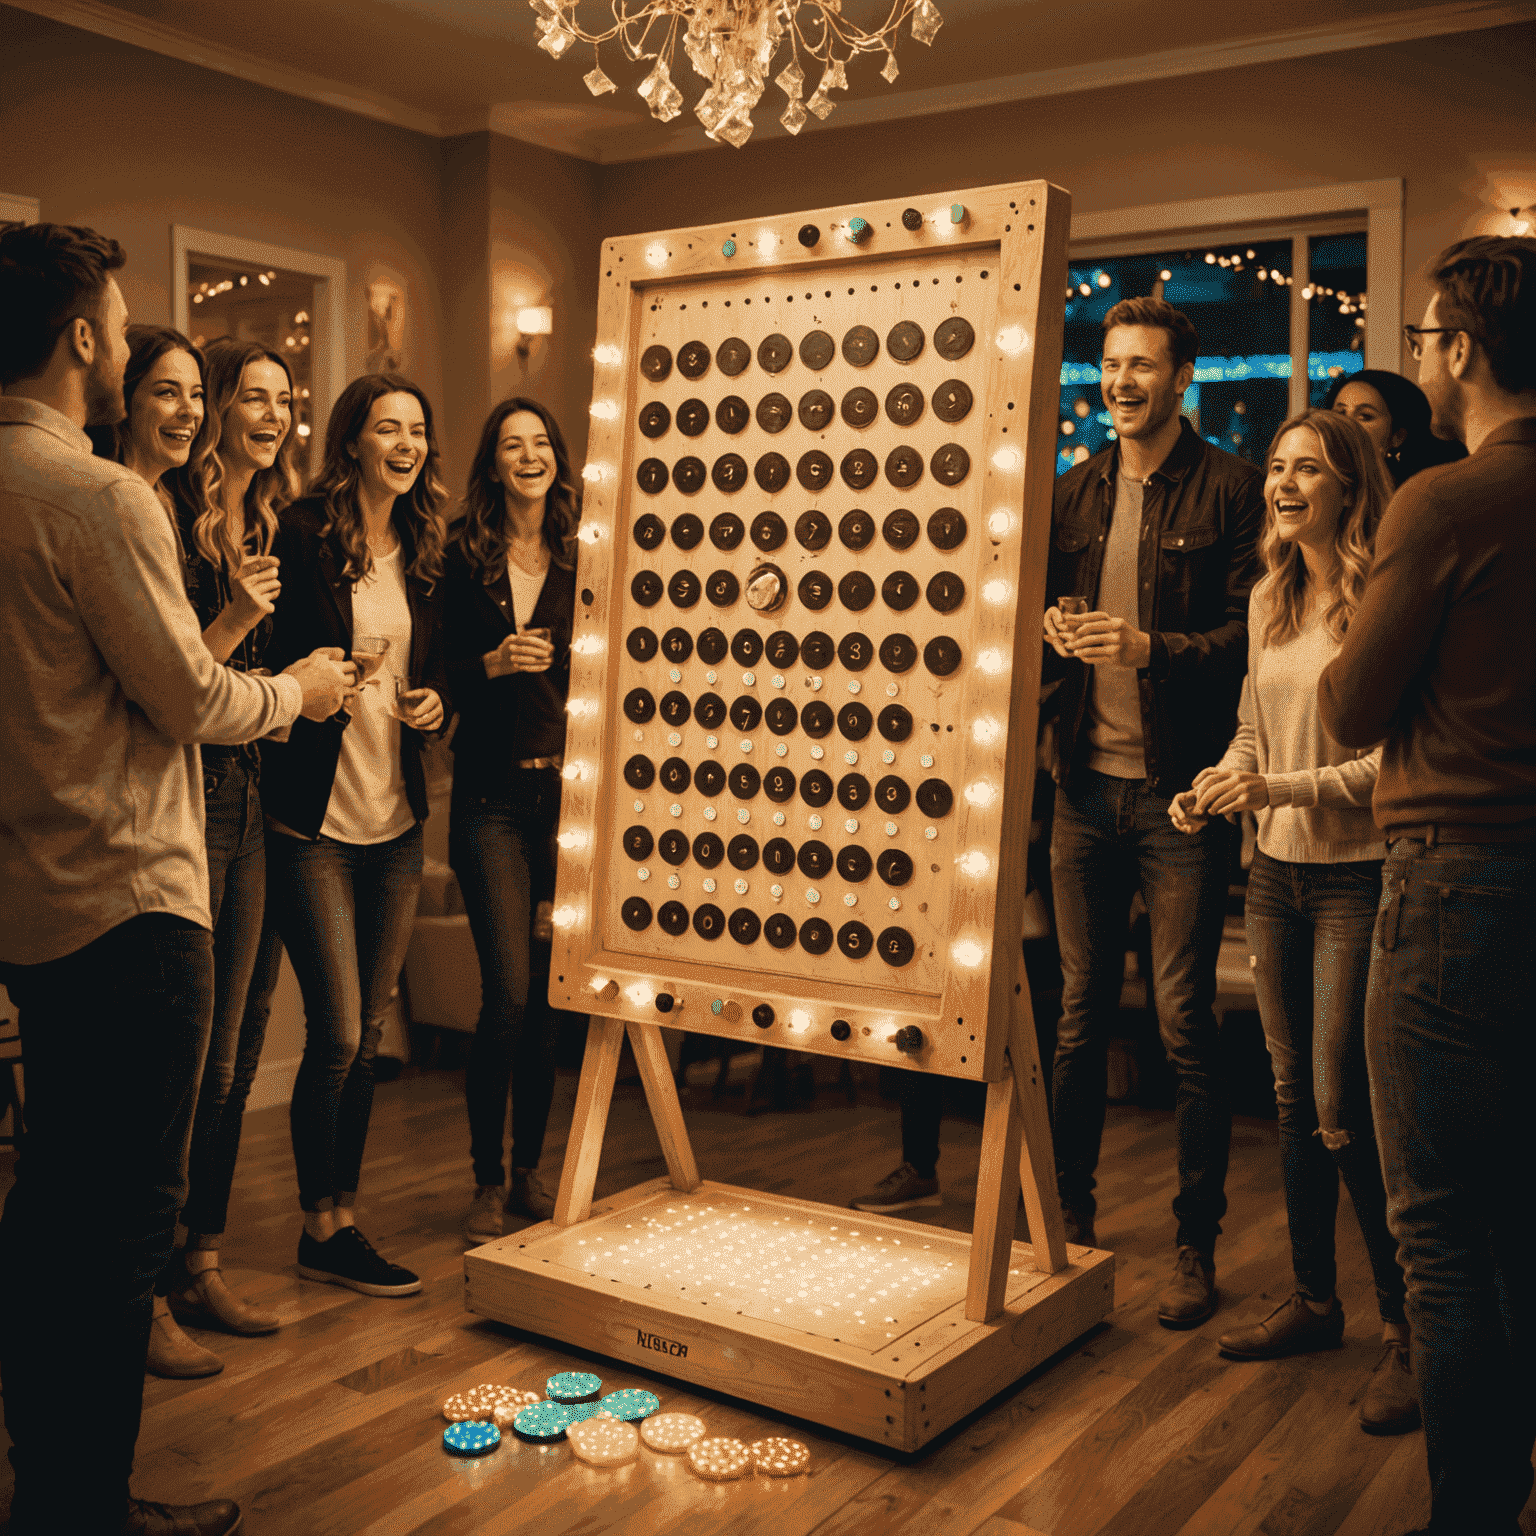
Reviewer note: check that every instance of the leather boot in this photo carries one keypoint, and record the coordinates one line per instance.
(172, 1353)
(205, 1292)
(1190, 1296)
(1293, 1328)
(1391, 1402)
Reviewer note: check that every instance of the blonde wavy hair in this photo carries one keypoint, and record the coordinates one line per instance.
(270, 490)
(419, 513)
(1354, 463)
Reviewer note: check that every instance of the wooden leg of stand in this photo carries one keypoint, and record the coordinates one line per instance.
(996, 1202)
(1037, 1166)
(599, 1068)
(666, 1111)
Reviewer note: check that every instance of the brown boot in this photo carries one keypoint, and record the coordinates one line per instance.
(1391, 1402)
(204, 1291)
(172, 1353)
(1293, 1328)
(1190, 1296)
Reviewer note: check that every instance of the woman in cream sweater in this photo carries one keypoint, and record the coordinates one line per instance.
(1314, 888)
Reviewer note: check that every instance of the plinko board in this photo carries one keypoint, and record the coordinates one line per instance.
(803, 694)
(797, 791)
(852, 1321)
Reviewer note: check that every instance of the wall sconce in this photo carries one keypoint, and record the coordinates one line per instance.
(1525, 220)
(537, 320)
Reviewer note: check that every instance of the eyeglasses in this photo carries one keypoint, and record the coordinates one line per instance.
(1414, 335)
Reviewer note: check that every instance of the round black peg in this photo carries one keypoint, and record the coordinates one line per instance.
(855, 940)
(774, 353)
(651, 476)
(779, 856)
(708, 849)
(781, 648)
(693, 359)
(744, 925)
(935, 798)
(774, 412)
(712, 646)
(780, 932)
(853, 791)
(768, 532)
(946, 592)
(672, 846)
(813, 530)
(771, 472)
(855, 651)
(941, 655)
(732, 414)
(861, 346)
(816, 720)
(639, 705)
(722, 589)
(781, 717)
(905, 341)
(675, 708)
(729, 474)
(900, 590)
(687, 531)
(692, 417)
(641, 643)
(854, 863)
(953, 338)
(636, 913)
(677, 645)
(856, 591)
(946, 528)
(639, 772)
(816, 936)
(708, 921)
(649, 531)
(856, 529)
(673, 920)
(904, 404)
(814, 860)
(860, 406)
(654, 419)
(892, 795)
(684, 589)
(709, 778)
(894, 866)
(732, 356)
(952, 400)
(676, 775)
(817, 349)
(746, 713)
(689, 475)
(900, 529)
(815, 410)
(656, 363)
(950, 464)
(816, 789)
(815, 590)
(898, 653)
(746, 647)
(809, 235)
(779, 784)
(903, 466)
(638, 843)
(744, 781)
(895, 946)
(709, 711)
(859, 469)
(895, 722)
(742, 852)
(726, 531)
(817, 650)
(814, 471)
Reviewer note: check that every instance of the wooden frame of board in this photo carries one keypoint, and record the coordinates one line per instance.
(950, 998)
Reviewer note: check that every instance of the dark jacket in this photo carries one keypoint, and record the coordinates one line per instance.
(315, 609)
(1201, 517)
(208, 589)
(503, 720)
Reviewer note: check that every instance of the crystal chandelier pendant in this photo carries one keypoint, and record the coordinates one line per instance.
(926, 22)
(597, 82)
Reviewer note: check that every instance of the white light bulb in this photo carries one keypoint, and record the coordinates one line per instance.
(574, 837)
(1008, 458)
(575, 769)
(999, 524)
(566, 916)
(605, 410)
(975, 863)
(639, 993)
(767, 243)
(588, 645)
(996, 592)
(581, 708)
(985, 730)
(609, 354)
(589, 533)
(968, 952)
(592, 473)
(1013, 339)
(991, 662)
(656, 254)
(981, 793)
(799, 1020)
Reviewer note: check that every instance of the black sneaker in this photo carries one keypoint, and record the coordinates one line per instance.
(349, 1259)
(899, 1191)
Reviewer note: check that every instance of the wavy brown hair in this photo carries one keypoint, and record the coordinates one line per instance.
(1349, 454)
(418, 514)
(484, 531)
(180, 489)
(270, 490)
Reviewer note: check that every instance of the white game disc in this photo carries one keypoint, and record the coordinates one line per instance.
(719, 1459)
(778, 1457)
(671, 1433)
(602, 1442)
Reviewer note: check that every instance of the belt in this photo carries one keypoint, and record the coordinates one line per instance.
(1432, 833)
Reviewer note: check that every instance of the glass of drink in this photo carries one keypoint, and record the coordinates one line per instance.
(368, 652)
(1072, 606)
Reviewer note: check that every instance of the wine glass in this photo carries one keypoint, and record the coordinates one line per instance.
(368, 652)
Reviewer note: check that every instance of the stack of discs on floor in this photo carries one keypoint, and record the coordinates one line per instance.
(602, 1441)
(778, 1457)
(632, 1404)
(671, 1433)
(508, 1404)
(573, 1387)
(470, 1438)
(543, 1422)
(719, 1459)
(462, 1408)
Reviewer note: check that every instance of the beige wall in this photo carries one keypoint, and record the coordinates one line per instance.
(1452, 116)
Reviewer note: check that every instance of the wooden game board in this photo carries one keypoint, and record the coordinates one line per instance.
(799, 770)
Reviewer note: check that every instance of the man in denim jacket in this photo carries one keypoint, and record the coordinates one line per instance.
(1158, 534)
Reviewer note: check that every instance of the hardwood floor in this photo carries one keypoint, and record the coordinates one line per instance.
(331, 1427)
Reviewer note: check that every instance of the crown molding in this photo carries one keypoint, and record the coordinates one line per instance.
(570, 129)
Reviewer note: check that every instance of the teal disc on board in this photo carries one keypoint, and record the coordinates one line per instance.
(543, 1422)
(573, 1387)
(631, 1404)
(471, 1439)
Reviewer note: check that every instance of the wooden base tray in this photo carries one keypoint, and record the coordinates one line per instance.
(852, 1321)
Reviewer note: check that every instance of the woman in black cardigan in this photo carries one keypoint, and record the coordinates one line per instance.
(509, 602)
(345, 798)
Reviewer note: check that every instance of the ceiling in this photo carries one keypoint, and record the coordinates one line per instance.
(452, 66)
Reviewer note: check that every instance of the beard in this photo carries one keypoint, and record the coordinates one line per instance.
(104, 403)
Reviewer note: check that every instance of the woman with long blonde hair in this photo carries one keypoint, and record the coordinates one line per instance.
(362, 557)
(1313, 889)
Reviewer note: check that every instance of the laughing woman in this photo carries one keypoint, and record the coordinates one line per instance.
(362, 559)
(1314, 889)
(511, 599)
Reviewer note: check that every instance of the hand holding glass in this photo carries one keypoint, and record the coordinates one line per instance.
(529, 650)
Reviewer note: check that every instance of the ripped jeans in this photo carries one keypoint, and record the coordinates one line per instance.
(345, 913)
(1309, 928)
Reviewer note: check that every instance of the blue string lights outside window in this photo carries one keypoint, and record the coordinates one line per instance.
(1239, 298)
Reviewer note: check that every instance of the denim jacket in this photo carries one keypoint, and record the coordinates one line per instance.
(1202, 512)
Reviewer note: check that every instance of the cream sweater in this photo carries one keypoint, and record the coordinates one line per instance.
(1319, 809)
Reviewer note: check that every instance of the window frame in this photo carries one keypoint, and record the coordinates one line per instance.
(1295, 215)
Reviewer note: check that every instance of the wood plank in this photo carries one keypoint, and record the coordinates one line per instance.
(1037, 1165)
(666, 1112)
(992, 1237)
(599, 1068)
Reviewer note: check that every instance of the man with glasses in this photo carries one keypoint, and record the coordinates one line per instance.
(1439, 662)
(104, 926)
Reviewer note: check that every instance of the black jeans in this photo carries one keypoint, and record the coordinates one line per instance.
(1111, 837)
(499, 846)
(1452, 1054)
(237, 887)
(345, 913)
(111, 1036)
(1309, 926)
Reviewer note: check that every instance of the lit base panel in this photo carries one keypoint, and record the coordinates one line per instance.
(852, 1321)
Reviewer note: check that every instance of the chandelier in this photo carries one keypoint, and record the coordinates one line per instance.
(733, 44)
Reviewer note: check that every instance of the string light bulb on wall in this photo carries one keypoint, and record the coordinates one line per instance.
(733, 44)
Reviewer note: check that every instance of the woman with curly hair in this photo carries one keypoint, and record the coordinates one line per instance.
(212, 437)
(1314, 888)
(511, 585)
(362, 559)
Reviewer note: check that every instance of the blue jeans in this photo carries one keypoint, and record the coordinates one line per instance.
(1452, 1053)
(1112, 837)
(345, 912)
(112, 1035)
(237, 886)
(499, 846)
(1309, 926)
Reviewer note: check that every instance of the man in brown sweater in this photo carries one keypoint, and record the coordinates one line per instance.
(1440, 662)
